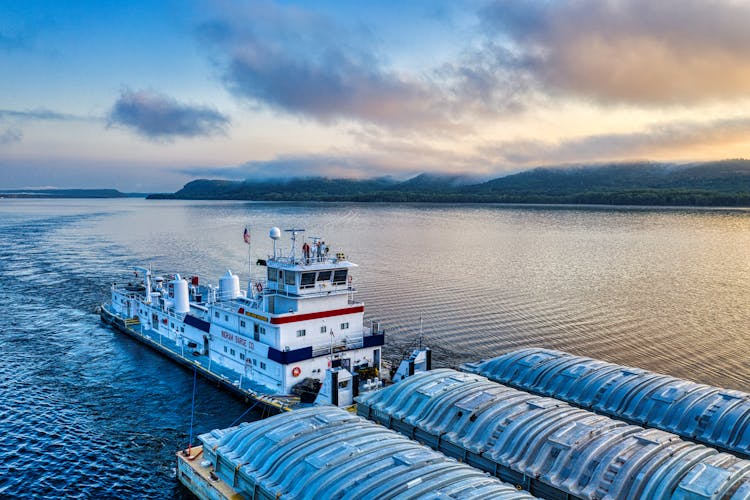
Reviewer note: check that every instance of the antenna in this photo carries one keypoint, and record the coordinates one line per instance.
(294, 232)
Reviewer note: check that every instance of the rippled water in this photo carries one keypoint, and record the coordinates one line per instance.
(86, 411)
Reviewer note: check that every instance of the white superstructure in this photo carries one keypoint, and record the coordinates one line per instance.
(290, 327)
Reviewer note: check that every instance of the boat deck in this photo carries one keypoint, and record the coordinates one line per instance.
(227, 378)
(202, 481)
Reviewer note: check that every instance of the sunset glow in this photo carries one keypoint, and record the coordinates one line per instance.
(145, 96)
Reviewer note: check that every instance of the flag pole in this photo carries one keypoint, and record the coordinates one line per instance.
(246, 238)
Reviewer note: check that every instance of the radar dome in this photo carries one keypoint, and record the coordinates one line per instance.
(275, 233)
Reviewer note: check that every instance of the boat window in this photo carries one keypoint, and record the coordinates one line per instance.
(344, 326)
(323, 329)
(339, 276)
(231, 351)
(262, 365)
(307, 280)
(242, 356)
(271, 274)
(289, 278)
(301, 333)
(324, 276)
(242, 323)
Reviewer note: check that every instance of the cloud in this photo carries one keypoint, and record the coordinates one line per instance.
(385, 156)
(41, 114)
(637, 51)
(10, 136)
(301, 63)
(158, 117)
(332, 166)
(672, 138)
(296, 61)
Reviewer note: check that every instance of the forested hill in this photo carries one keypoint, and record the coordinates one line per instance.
(721, 183)
(66, 193)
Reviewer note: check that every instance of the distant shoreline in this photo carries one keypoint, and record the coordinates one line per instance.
(724, 183)
(68, 193)
(445, 203)
(621, 198)
(707, 184)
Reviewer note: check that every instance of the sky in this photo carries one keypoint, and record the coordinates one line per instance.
(144, 96)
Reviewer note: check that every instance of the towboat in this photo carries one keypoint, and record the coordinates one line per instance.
(294, 335)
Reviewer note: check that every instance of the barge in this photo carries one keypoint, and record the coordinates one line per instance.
(326, 452)
(714, 416)
(549, 448)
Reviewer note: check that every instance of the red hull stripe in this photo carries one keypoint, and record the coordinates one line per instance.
(316, 315)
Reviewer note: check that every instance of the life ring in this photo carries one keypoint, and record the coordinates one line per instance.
(259, 287)
(296, 371)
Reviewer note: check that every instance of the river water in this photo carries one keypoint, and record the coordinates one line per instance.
(87, 412)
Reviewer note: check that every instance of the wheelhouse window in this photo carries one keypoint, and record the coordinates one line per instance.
(339, 277)
(307, 280)
(272, 274)
(290, 278)
(324, 276)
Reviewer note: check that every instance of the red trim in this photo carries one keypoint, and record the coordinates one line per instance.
(323, 314)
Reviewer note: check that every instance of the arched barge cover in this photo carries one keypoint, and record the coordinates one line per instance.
(717, 417)
(326, 452)
(548, 447)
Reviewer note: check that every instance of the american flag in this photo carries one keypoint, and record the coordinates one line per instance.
(246, 236)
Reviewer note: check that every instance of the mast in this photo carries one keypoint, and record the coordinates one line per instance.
(294, 232)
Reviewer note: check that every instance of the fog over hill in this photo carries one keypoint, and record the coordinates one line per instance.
(719, 183)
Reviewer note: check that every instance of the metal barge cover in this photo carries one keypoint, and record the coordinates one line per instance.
(326, 452)
(717, 417)
(548, 447)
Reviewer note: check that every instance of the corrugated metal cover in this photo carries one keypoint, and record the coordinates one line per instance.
(710, 415)
(549, 446)
(325, 452)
